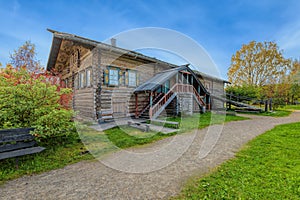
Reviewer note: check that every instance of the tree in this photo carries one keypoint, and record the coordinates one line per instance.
(32, 97)
(294, 78)
(31, 100)
(25, 56)
(258, 64)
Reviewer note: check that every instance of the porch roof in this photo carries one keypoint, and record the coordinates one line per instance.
(158, 79)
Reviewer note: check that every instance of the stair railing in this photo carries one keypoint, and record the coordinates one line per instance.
(177, 88)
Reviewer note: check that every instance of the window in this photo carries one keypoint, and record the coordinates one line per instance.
(113, 77)
(81, 80)
(88, 77)
(76, 81)
(132, 78)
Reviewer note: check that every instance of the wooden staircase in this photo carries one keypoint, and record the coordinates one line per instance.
(145, 111)
(166, 99)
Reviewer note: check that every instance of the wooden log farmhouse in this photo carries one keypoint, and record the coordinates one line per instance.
(111, 82)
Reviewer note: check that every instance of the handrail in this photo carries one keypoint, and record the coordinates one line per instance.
(148, 106)
(198, 96)
(162, 101)
(178, 88)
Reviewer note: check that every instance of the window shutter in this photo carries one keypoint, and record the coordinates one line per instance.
(105, 75)
(126, 78)
(137, 79)
(120, 77)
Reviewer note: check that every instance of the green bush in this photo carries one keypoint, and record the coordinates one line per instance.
(32, 100)
(244, 90)
(55, 128)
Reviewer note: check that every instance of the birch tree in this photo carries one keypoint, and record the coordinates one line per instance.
(25, 56)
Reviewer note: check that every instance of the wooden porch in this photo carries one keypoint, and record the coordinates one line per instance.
(173, 92)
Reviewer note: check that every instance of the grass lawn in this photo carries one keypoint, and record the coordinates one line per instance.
(99, 143)
(125, 137)
(276, 113)
(268, 167)
(292, 107)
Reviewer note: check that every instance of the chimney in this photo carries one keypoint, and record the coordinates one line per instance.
(113, 42)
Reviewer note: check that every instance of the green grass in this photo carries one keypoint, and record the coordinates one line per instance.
(268, 167)
(99, 144)
(292, 107)
(206, 119)
(276, 113)
(120, 137)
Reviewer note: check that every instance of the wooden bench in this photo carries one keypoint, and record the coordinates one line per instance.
(106, 115)
(247, 111)
(175, 124)
(17, 142)
(142, 127)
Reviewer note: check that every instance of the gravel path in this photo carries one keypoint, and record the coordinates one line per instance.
(94, 180)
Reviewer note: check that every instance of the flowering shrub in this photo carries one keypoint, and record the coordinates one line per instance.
(28, 99)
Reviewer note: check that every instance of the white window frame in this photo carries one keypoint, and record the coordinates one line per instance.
(132, 78)
(113, 77)
(81, 79)
(88, 75)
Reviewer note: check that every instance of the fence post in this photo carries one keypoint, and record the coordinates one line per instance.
(230, 101)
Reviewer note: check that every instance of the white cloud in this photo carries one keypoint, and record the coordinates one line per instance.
(288, 38)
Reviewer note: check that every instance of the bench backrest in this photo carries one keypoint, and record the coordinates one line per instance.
(13, 139)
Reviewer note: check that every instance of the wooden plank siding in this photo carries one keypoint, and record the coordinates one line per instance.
(215, 87)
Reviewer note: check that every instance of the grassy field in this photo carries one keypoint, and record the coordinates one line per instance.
(125, 137)
(292, 107)
(277, 113)
(268, 167)
(99, 143)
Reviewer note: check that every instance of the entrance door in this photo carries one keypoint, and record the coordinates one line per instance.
(119, 109)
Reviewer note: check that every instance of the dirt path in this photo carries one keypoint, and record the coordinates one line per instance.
(93, 180)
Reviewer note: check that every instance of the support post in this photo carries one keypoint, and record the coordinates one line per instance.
(136, 106)
(230, 101)
(266, 105)
(177, 106)
(151, 99)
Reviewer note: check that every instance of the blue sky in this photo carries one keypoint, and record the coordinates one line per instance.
(221, 27)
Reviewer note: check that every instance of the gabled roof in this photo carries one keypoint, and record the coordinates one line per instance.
(59, 36)
(160, 78)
